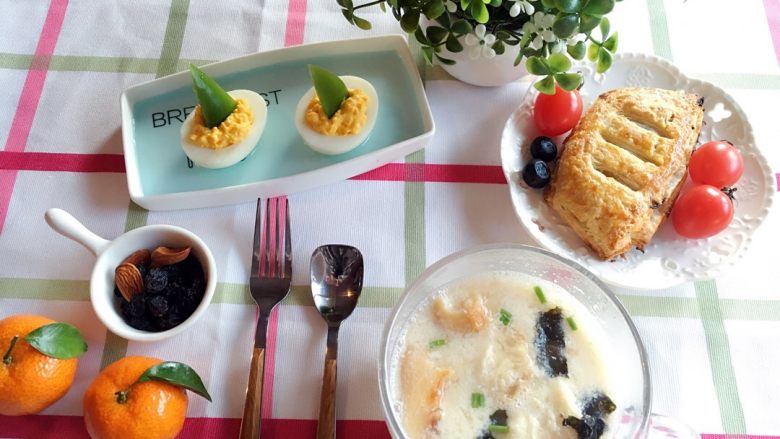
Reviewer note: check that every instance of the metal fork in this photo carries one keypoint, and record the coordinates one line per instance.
(269, 283)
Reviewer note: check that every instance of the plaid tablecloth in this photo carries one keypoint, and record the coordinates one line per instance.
(713, 345)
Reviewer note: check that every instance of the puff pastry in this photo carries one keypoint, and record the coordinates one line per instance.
(623, 165)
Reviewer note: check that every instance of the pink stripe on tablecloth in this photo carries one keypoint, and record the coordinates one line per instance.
(777, 180)
(63, 162)
(296, 22)
(29, 98)
(433, 173)
(72, 427)
(772, 8)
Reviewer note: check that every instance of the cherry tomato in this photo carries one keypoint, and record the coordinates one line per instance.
(716, 163)
(558, 113)
(702, 211)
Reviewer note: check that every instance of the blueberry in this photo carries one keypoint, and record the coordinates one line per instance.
(135, 308)
(156, 280)
(543, 148)
(157, 305)
(536, 174)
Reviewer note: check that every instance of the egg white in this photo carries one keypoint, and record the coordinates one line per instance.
(332, 145)
(228, 156)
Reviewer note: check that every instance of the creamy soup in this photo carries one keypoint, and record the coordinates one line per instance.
(503, 355)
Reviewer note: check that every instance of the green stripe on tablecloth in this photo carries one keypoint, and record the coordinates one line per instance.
(437, 73)
(741, 80)
(731, 414)
(378, 296)
(174, 36)
(419, 59)
(414, 223)
(659, 29)
(109, 64)
(116, 347)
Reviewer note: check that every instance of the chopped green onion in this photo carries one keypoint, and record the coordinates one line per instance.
(572, 323)
(505, 317)
(540, 294)
(498, 428)
(437, 343)
(477, 400)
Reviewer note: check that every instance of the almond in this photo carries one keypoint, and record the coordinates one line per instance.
(128, 280)
(167, 256)
(140, 257)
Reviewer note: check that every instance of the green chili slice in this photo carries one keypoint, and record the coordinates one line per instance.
(540, 294)
(215, 104)
(437, 343)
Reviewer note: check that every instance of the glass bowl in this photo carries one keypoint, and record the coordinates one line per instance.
(627, 354)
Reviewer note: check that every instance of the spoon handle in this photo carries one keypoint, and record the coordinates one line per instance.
(326, 427)
(250, 424)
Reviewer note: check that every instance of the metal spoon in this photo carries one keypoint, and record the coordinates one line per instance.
(336, 281)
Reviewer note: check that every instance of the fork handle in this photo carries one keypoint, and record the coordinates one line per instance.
(250, 423)
(326, 427)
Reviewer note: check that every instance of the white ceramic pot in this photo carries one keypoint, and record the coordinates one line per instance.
(485, 72)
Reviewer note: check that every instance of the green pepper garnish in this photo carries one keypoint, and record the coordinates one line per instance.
(329, 88)
(215, 104)
(437, 343)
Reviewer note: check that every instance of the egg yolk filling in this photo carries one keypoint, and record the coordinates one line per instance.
(231, 131)
(348, 120)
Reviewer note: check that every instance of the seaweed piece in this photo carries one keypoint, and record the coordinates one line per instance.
(550, 343)
(592, 424)
(500, 418)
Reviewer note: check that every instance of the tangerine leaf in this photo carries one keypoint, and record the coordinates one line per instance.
(178, 374)
(57, 340)
(215, 104)
(329, 88)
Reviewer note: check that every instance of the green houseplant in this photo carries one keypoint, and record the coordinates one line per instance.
(544, 34)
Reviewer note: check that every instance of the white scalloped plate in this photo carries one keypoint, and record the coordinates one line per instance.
(669, 259)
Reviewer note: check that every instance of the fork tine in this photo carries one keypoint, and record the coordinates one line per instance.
(287, 244)
(273, 219)
(256, 246)
(264, 244)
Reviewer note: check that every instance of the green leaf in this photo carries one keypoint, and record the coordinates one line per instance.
(436, 34)
(383, 7)
(453, 45)
(568, 5)
(503, 35)
(598, 7)
(548, 4)
(604, 27)
(420, 36)
(361, 23)
(330, 89)
(546, 85)
(518, 58)
(577, 51)
(462, 27)
(444, 20)
(612, 43)
(479, 12)
(445, 61)
(498, 46)
(410, 20)
(537, 66)
(604, 60)
(215, 104)
(593, 52)
(347, 13)
(565, 26)
(346, 4)
(58, 340)
(433, 9)
(559, 63)
(568, 81)
(495, 3)
(588, 22)
(178, 374)
(428, 54)
(464, 4)
(393, 4)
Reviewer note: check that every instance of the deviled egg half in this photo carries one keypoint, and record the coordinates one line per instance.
(225, 127)
(338, 113)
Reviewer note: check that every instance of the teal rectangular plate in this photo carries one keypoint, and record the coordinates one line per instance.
(160, 177)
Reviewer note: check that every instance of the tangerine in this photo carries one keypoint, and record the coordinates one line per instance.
(29, 380)
(115, 405)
